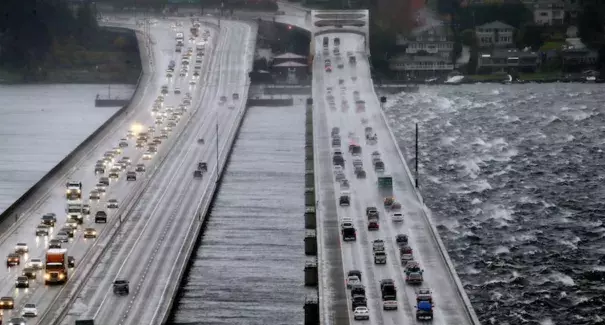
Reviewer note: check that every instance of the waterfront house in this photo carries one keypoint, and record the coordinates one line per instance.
(495, 34)
(507, 60)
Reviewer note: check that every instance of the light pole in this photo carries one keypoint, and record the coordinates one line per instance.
(217, 149)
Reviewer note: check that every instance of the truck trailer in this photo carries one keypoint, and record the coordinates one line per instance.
(56, 266)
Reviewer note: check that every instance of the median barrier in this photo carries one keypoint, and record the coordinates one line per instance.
(270, 102)
(311, 270)
(61, 167)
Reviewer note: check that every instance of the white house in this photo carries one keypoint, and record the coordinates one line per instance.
(496, 34)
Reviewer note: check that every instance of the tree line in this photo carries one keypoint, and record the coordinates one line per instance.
(29, 29)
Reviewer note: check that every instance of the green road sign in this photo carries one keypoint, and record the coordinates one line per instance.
(385, 182)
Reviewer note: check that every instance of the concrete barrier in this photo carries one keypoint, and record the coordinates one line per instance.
(66, 162)
(298, 90)
(270, 102)
(100, 102)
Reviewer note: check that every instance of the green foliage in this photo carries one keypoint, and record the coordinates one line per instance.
(31, 28)
(591, 25)
(469, 37)
(530, 36)
(514, 14)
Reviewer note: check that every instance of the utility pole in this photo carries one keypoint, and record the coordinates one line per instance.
(217, 152)
(416, 160)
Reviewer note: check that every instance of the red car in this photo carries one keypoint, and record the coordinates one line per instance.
(373, 225)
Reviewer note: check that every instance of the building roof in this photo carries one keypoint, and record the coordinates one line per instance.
(496, 24)
(504, 53)
(289, 56)
(418, 58)
(290, 64)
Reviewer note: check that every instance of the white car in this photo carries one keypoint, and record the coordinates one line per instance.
(352, 280)
(147, 156)
(112, 204)
(397, 217)
(35, 263)
(21, 248)
(361, 313)
(30, 310)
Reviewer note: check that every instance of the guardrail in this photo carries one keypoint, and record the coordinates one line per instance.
(70, 158)
(435, 234)
(205, 204)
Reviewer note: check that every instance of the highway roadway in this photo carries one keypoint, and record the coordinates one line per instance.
(23, 231)
(449, 305)
(146, 250)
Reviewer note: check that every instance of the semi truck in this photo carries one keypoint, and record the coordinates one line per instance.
(56, 266)
(74, 191)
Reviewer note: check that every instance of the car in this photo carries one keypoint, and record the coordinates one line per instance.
(71, 222)
(104, 181)
(344, 184)
(29, 272)
(140, 168)
(90, 233)
(35, 263)
(202, 166)
(424, 294)
(177, 90)
(389, 304)
(352, 280)
(345, 199)
(54, 243)
(397, 217)
(346, 223)
(147, 155)
(414, 278)
(99, 169)
(198, 173)
(123, 143)
(101, 217)
(223, 99)
(114, 173)
(42, 230)
(7, 303)
(121, 287)
(112, 204)
(401, 240)
(29, 310)
(17, 321)
(21, 248)
(86, 209)
(49, 219)
(71, 261)
(235, 96)
(13, 259)
(360, 173)
(62, 236)
(412, 266)
(22, 282)
(373, 225)
(361, 313)
(378, 245)
(380, 257)
(131, 176)
(140, 145)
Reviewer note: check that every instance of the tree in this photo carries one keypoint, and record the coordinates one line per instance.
(591, 25)
(469, 37)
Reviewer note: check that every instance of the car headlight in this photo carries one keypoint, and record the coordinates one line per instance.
(61, 276)
(47, 276)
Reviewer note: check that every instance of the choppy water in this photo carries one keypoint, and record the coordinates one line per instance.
(40, 125)
(514, 174)
(249, 267)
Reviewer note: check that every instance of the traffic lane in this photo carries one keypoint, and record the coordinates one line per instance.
(450, 307)
(334, 302)
(176, 160)
(183, 221)
(369, 197)
(359, 258)
(56, 200)
(75, 254)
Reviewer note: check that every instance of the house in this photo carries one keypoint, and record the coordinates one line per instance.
(290, 70)
(496, 34)
(577, 57)
(289, 57)
(507, 60)
(424, 53)
(549, 12)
